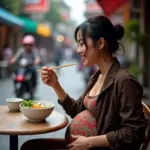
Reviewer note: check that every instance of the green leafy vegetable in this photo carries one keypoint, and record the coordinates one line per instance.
(34, 104)
(27, 103)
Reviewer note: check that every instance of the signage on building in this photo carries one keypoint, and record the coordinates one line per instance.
(36, 6)
(92, 6)
(110, 6)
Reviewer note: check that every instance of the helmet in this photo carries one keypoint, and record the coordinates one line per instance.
(28, 39)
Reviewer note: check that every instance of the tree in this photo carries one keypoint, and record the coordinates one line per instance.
(12, 6)
(54, 14)
(134, 35)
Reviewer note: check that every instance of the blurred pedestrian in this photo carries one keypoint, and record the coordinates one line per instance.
(58, 55)
(7, 56)
(44, 56)
(7, 53)
(68, 53)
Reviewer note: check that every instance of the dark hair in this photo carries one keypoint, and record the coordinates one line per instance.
(98, 27)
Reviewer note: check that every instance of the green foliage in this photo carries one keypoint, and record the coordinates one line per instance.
(11, 5)
(142, 38)
(132, 30)
(133, 26)
(135, 70)
(133, 33)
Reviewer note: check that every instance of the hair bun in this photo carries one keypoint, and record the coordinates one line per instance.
(119, 29)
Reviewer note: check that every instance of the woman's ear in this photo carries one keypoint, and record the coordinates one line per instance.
(101, 43)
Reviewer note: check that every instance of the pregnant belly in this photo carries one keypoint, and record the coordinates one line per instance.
(83, 124)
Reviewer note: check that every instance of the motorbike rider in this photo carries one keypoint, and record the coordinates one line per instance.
(30, 53)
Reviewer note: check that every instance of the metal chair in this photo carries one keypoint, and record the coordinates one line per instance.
(146, 111)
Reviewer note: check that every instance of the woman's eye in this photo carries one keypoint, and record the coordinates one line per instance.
(81, 44)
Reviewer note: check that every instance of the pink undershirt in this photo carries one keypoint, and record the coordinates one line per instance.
(84, 123)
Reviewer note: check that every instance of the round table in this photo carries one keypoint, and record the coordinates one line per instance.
(15, 123)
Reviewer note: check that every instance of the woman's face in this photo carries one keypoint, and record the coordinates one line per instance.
(90, 55)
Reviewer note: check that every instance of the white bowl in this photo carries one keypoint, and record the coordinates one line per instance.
(13, 103)
(37, 115)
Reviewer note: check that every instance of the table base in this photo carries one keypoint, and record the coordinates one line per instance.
(13, 142)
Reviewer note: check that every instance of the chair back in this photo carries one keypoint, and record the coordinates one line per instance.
(146, 111)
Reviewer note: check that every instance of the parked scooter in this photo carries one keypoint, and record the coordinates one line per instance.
(23, 80)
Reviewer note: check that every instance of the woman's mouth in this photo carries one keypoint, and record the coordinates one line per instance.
(83, 57)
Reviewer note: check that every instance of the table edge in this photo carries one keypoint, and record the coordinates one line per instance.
(53, 129)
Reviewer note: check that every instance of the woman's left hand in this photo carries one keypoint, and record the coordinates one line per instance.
(79, 143)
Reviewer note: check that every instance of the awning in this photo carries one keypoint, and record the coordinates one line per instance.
(29, 25)
(110, 6)
(43, 30)
(34, 27)
(9, 18)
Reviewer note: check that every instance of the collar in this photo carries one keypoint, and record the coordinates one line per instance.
(109, 77)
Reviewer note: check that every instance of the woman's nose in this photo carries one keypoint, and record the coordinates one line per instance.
(78, 50)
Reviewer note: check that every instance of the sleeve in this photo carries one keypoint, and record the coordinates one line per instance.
(36, 53)
(71, 106)
(18, 54)
(133, 122)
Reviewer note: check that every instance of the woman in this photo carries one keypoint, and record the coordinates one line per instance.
(109, 114)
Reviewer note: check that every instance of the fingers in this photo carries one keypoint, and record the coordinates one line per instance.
(73, 145)
(70, 146)
(48, 75)
(46, 81)
(46, 72)
(44, 77)
(75, 136)
(45, 68)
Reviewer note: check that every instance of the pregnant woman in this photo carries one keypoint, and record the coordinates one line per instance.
(109, 114)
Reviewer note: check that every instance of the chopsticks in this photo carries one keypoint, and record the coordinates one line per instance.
(57, 67)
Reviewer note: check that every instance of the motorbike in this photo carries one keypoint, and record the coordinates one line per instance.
(23, 79)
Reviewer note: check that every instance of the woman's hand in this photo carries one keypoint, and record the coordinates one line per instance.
(80, 143)
(49, 76)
